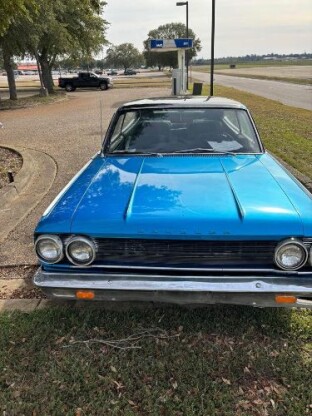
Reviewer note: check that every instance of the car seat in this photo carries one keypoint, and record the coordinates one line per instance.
(150, 135)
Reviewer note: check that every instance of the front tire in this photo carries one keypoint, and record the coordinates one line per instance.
(103, 86)
(69, 88)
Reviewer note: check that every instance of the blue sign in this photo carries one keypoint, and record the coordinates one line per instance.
(156, 43)
(184, 43)
(171, 44)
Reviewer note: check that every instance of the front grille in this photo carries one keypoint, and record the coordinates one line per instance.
(184, 252)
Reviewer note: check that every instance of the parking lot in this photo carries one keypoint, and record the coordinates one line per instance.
(28, 85)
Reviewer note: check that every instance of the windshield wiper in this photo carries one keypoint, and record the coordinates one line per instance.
(158, 154)
(135, 152)
(203, 150)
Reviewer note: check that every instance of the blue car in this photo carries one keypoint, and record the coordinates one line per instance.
(183, 205)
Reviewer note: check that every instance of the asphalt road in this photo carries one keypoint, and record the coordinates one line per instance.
(294, 95)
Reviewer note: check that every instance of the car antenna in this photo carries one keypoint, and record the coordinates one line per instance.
(101, 120)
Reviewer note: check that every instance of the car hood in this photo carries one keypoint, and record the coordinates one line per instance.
(189, 196)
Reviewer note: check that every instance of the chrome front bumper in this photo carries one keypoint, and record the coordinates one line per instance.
(248, 289)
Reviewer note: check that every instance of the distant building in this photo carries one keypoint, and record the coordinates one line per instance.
(27, 67)
(271, 58)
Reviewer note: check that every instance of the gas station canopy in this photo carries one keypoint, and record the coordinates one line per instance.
(179, 75)
(167, 45)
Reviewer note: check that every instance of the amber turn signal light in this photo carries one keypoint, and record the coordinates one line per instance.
(85, 294)
(285, 299)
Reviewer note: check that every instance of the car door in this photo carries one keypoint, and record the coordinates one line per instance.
(82, 80)
(93, 80)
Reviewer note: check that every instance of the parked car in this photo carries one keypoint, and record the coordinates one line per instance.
(18, 72)
(30, 72)
(85, 80)
(130, 72)
(112, 72)
(182, 204)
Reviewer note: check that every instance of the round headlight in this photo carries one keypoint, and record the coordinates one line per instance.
(80, 251)
(291, 255)
(49, 248)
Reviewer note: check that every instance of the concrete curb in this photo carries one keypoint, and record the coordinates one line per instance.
(9, 288)
(23, 305)
(30, 305)
(31, 184)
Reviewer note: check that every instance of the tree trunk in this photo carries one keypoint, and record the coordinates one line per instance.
(8, 66)
(43, 91)
(46, 75)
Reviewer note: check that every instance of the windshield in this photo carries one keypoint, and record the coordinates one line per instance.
(180, 129)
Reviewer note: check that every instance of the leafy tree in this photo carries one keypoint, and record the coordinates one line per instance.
(124, 55)
(12, 36)
(169, 31)
(9, 10)
(74, 28)
(77, 62)
(51, 29)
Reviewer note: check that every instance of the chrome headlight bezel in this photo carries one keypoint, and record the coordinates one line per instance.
(59, 246)
(289, 242)
(80, 239)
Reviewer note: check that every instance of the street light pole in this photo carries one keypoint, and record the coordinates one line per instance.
(187, 35)
(213, 19)
(185, 3)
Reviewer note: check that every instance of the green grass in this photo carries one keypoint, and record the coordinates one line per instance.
(261, 64)
(255, 64)
(206, 362)
(31, 101)
(302, 81)
(285, 131)
(143, 82)
(144, 85)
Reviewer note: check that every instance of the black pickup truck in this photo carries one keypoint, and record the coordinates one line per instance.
(85, 80)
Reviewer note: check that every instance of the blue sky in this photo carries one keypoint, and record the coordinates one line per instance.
(242, 26)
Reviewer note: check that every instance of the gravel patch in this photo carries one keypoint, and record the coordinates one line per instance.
(9, 161)
(16, 272)
(16, 283)
(24, 291)
(27, 293)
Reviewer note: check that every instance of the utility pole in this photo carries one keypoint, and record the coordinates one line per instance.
(187, 35)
